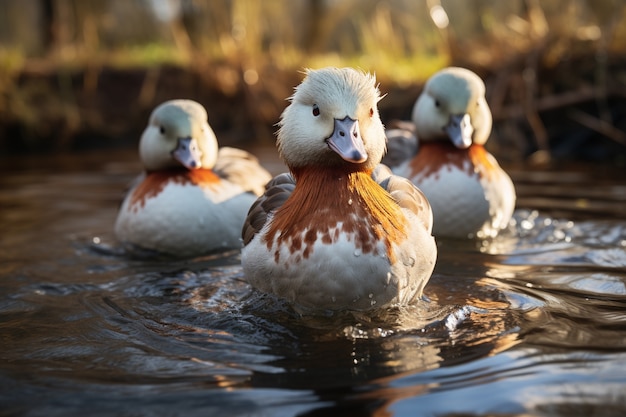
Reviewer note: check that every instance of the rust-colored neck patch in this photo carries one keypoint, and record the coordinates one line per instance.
(155, 181)
(329, 202)
(432, 157)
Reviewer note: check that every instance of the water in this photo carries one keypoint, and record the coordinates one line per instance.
(532, 323)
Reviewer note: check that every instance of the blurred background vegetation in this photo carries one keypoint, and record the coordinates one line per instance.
(84, 74)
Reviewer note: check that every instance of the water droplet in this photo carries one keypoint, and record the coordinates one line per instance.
(333, 298)
(96, 240)
(357, 252)
(350, 202)
(370, 296)
(373, 302)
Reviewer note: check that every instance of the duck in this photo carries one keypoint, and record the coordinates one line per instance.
(442, 151)
(338, 232)
(193, 197)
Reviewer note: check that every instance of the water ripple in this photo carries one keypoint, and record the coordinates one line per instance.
(531, 322)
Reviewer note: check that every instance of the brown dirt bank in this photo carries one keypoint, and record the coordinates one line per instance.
(574, 110)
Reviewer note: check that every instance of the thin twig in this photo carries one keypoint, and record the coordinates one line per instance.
(601, 126)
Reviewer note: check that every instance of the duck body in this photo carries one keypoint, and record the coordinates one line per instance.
(183, 213)
(470, 194)
(192, 199)
(339, 232)
(340, 241)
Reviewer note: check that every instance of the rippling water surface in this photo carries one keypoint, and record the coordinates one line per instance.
(531, 323)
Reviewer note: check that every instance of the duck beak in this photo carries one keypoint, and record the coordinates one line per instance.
(188, 153)
(346, 141)
(460, 130)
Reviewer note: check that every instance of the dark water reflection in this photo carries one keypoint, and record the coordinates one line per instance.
(532, 323)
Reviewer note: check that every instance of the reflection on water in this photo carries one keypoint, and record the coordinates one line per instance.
(532, 322)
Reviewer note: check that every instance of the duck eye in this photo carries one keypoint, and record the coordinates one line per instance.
(371, 111)
(316, 110)
(437, 103)
(162, 130)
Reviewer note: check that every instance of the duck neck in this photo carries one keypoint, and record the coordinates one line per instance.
(334, 175)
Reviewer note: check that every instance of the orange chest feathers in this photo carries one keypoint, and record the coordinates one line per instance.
(155, 182)
(327, 205)
(435, 157)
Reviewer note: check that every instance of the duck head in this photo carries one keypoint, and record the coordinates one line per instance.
(333, 120)
(453, 107)
(178, 134)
